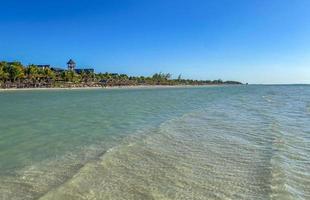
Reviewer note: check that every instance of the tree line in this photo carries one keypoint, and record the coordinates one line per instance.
(15, 75)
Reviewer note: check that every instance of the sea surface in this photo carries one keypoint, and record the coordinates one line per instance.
(220, 142)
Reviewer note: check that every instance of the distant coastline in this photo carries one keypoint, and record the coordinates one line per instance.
(110, 87)
(14, 75)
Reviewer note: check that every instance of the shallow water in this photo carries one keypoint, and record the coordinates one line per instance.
(231, 142)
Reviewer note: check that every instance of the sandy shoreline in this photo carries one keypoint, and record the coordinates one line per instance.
(106, 88)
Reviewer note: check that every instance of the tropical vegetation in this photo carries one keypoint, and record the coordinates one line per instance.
(15, 75)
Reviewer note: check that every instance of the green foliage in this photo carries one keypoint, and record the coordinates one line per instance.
(32, 72)
(16, 71)
(17, 75)
(4, 75)
(161, 76)
(180, 77)
(49, 74)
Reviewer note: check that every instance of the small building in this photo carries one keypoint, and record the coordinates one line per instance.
(71, 65)
(88, 71)
(56, 69)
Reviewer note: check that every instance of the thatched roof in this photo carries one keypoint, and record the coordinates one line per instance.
(71, 62)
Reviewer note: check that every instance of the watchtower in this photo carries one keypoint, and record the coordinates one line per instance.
(71, 65)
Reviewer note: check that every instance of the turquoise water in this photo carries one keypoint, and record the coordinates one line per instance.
(228, 142)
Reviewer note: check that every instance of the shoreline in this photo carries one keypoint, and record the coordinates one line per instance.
(109, 87)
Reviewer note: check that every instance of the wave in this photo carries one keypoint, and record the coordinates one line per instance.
(191, 157)
(35, 180)
(210, 154)
(225, 151)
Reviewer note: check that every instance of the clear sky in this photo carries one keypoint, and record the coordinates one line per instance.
(255, 41)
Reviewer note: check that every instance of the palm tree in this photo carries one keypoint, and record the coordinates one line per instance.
(49, 75)
(71, 76)
(4, 75)
(16, 71)
(33, 73)
(83, 76)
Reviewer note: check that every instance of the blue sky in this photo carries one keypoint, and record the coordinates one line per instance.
(255, 41)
